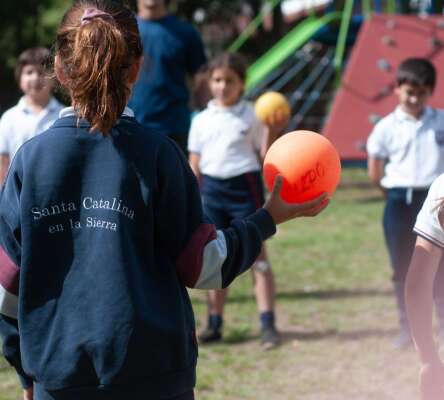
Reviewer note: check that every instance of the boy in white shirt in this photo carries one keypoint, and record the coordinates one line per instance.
(405, 155)
(36, 110)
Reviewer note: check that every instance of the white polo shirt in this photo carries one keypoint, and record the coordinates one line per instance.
(414, 149)
(20, 123)
(427, 223)
(228, 140)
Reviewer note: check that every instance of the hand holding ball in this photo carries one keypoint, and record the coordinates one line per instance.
(269, 105)
(307, 161)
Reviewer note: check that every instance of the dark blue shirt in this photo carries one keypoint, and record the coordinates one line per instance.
(172, 50)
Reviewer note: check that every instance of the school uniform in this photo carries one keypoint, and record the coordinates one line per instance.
(228, 141)
(99, 237)
(414, 151)
(20, 123)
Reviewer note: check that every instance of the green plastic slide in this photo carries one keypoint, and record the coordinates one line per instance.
(292, 41)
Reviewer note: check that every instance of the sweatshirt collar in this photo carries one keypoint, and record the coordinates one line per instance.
(70, 112)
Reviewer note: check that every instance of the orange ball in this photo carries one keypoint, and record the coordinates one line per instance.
(269, 103)
(307, 161)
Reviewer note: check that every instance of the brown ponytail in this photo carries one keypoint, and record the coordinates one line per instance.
(96, 57)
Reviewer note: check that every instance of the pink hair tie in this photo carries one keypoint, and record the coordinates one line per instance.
(91, 13)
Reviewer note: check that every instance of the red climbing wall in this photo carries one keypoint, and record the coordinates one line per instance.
(366, 93)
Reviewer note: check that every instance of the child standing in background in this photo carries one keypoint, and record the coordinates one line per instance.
(227, 144)
(102, 230)
(405, 154)
(36, 110)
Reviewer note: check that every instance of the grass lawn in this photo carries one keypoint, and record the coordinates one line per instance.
(335, 310)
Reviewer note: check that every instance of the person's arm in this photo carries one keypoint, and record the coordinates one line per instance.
(194, 159)
(275, 126)
(10, 253)
(213, 259)
(207, 258)
(378, 152)
(4, 165)
(419, 303)
(376, 170)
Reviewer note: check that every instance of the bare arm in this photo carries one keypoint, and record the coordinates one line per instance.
(194, 159)
(419, 302)
(275, 126)
(4, 165)
(376, 170)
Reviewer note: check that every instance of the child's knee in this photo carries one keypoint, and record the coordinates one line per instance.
(262, 266)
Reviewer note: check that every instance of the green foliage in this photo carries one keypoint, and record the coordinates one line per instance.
(24, 24)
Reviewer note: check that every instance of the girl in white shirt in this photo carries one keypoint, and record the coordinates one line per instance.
(226, 147)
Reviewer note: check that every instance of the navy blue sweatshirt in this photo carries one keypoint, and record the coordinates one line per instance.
(99, 237)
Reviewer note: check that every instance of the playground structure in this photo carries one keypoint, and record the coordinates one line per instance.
(337, 68)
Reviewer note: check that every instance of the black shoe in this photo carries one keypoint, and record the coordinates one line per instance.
(210, 335)
(403, 341)
(270, 338)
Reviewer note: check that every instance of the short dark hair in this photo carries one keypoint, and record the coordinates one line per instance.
(33, 56)
(416, 72)
(233, 61)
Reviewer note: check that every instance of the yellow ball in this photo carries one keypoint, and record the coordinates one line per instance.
(269, 103)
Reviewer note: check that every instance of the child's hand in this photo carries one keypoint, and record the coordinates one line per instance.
(431, 379)
(277, 121)
(282, 211)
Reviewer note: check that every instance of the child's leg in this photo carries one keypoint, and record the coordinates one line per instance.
(263, 282)
(213, 205)
(399, 219)
(265, 295)
(216, 301)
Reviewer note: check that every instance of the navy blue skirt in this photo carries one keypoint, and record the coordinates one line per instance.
(233, 198)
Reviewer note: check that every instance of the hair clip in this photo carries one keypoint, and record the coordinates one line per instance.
(91, 13)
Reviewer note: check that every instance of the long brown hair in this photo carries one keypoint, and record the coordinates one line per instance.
(96, 58)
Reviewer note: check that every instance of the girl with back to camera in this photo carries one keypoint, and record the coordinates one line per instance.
(102, 230)
(227, 144)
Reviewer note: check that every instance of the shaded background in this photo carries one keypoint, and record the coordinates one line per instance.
(29, 23)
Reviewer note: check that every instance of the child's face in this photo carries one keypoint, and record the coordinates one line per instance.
(34, 83)
(412, 98)
(226, 86)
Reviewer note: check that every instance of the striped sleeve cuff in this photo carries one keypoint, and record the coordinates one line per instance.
(200, 263)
